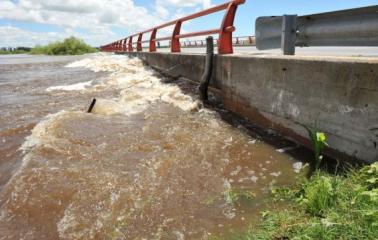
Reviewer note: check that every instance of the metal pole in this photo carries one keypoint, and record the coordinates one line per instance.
(206, 77)
(91, 106)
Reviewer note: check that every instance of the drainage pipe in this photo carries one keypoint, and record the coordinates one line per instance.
(206, 77)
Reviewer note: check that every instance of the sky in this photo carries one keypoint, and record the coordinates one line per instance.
(31, 22)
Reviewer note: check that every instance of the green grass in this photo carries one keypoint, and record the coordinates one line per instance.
(69, 46)
(322, 207)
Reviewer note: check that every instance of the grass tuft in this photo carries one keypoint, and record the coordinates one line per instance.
(318, 195)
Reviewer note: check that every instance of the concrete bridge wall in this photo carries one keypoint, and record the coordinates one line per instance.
(338, 96)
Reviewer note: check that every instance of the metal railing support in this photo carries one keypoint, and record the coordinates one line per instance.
(130, 49)
(289, 34)
(175, 41)
(152, 40)
(250, 40)
(139, 43)
(225, 33)
(124, 44)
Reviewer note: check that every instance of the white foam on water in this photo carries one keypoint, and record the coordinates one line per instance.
(40, 136)
(139, 89)
(138, 85)
(111, 63)
(73, 87)
(297, 167)
(40, 133)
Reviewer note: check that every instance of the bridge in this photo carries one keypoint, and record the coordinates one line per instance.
(319, 71)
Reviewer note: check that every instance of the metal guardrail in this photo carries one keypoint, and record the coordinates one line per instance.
(353, 27)
(225, 32)
(236, 41)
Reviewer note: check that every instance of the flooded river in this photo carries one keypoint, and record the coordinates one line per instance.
(150, 162)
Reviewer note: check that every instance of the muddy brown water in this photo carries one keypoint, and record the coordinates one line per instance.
(150, 162)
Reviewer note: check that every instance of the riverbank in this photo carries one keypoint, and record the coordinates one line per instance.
(324, 206)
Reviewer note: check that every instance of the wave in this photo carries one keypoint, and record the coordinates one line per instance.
(73, 87)
(138, 84)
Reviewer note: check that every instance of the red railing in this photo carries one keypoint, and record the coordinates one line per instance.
(224, 40)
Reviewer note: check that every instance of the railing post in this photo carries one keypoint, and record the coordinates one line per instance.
(175, 42)
(152, 41)
(130, 44)
(289, 34)
(125, 45)
(225, 32)
(122, 46)
(139, 43)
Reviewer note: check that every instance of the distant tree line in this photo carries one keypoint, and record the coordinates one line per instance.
(16, 50)
(69, 46)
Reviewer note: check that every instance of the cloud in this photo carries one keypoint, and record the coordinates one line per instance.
(13, 36)
(92, 16)
(183, 4)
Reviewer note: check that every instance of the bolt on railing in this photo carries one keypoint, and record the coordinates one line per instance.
(224, 40)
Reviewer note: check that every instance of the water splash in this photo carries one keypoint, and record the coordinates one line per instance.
(138, 84)
(72, 87)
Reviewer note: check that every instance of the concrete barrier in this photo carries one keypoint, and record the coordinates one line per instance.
(338, 96)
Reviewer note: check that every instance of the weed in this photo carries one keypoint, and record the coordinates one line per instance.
(318, 140)
(238, 195)
(210, 200)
